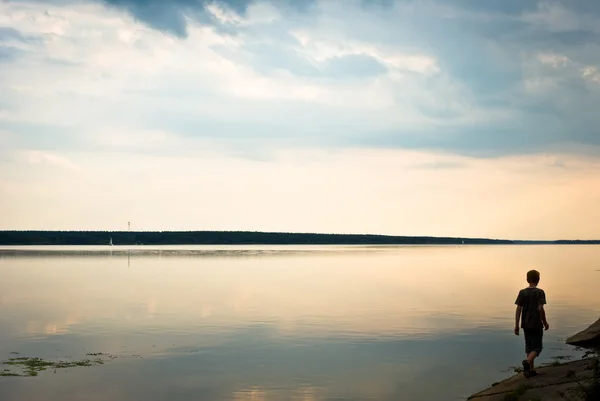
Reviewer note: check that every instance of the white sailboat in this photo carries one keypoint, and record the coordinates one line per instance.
(110, 242)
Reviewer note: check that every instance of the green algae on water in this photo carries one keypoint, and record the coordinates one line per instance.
(32, 366)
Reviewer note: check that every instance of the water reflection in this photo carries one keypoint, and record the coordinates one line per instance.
(306, 323)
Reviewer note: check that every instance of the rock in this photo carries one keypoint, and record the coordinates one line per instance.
(589, 336)
(547, 386)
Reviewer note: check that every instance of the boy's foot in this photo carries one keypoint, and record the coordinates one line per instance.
(526, 368)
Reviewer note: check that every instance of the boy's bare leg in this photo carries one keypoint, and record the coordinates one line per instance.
(531, 357)
(528, 368)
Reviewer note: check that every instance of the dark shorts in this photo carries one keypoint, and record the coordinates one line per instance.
(533, 340)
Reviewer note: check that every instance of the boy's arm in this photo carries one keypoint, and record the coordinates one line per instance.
(543, 311)
(543, 316)
(519, 303)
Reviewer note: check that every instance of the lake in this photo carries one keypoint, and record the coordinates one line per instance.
(282, 322)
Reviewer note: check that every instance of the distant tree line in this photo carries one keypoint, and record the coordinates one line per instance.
(239, 238)
(577, 241)
(220, 238)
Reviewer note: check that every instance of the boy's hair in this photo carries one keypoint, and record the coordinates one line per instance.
(533, 276)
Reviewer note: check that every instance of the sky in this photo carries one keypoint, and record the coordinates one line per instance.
(409, 117)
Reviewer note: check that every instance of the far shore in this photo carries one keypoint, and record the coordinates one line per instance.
(87, 238)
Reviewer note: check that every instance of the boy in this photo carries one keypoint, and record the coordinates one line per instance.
(530, 310)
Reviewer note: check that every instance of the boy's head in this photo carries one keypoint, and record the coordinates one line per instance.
(533, 277)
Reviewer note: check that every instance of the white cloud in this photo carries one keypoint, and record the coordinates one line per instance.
(539, 84)
(591, 73)
(554, 60)
(97, 69)
(262, 13)
(553, 16)
(47, 158)
(223, 14)
(257, 13)
(322, 49)
(547, 72)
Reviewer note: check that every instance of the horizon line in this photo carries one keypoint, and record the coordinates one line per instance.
(303, 233)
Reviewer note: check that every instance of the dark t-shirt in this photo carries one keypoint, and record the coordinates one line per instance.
(530, 299)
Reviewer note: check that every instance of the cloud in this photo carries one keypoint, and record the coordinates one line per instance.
(175, 16)
(10, 34)
(47, 158)
(442, 165)
(171, 16)
(8, 53)
(480, 79)
(564, 17)
(554, 60)
(591, 74)
(12, 43)
(322, 49)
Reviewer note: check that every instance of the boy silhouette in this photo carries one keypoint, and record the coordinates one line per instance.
(530, 311)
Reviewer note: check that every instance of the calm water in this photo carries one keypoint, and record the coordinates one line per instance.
(282, 323)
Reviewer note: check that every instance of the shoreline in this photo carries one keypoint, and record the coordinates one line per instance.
(556, 381)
